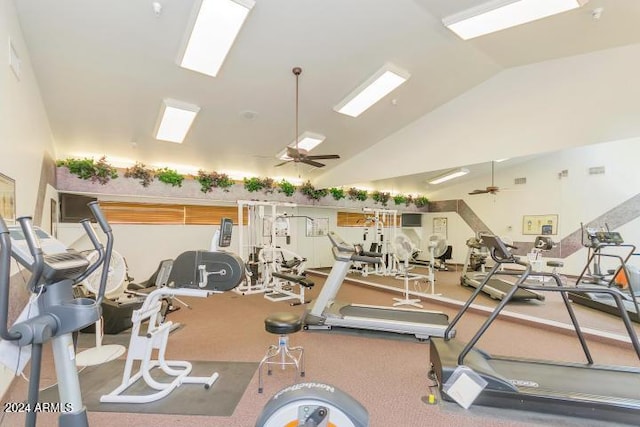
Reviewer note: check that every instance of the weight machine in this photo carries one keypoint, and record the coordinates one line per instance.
(256, 220)
(385, 226)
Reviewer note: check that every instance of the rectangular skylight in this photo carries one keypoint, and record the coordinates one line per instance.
(214, 30)
(373, 90)
(496, 15)
(307, 141)
(449, 175)
(176, 118)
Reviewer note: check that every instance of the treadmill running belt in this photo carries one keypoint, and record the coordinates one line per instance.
(395, 315)
(570, 380)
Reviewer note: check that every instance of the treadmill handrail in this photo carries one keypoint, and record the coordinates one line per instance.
(338, 242)
(520, 284)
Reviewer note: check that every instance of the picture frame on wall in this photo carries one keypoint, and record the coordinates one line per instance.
(540, 224)
(317, 227)
(440, 226)
(7, 199)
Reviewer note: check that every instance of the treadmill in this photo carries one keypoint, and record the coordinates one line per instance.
(327, 313)
(610, 393)
(495, 288)
(608, 245)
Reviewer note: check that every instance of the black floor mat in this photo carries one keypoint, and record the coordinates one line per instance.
(188, 399)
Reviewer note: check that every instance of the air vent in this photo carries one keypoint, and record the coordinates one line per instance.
(598, 170)
(520, 181)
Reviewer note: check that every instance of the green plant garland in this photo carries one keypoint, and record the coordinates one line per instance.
(141, 172)
(169, 176)
(88, 169)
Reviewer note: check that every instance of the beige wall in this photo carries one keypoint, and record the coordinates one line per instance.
(25, 136)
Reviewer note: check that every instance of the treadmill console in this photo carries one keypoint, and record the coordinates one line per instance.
(339, 242)
(497, 246)
(599, 237)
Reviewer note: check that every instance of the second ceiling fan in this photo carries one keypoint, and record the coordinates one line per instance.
(492, 189)
(297, 154)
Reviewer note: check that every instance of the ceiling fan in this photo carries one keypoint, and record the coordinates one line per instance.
(297, 154)
(492, 189)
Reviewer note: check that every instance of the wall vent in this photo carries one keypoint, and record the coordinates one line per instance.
(598, 170)
(520, 181)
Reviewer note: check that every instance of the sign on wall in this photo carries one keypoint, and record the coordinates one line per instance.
(540, 224)
(317, 227)
(7, 199)
(440, 226)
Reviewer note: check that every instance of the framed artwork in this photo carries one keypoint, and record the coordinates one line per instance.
(540, 224)
(7, 199)
(440, 226)
(317, 227)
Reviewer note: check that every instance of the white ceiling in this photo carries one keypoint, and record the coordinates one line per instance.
(104, 68)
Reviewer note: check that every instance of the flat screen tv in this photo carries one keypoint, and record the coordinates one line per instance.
(411, 220)
(73, 207)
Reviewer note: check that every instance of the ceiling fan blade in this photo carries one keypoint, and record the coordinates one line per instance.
(311, 162)
(282, 164)
(474, 192)
(322, 156)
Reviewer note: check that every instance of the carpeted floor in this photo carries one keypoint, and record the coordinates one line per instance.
(388, 376)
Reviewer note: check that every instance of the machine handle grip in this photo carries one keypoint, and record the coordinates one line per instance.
(99, 216)
(5, 264)
(86, 224)
(106, 228)
(36, 251)
(367, 259)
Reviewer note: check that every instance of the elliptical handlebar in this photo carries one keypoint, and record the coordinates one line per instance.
(106, 228)
(86, 224)
(5, 265)
(37, 267)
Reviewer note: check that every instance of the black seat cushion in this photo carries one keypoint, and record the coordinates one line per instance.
(283, 323)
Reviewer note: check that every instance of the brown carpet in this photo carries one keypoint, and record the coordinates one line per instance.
(389, 377)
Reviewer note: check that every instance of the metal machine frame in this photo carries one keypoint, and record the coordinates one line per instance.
(575, 389)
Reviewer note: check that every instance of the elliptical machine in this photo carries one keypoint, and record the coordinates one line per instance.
(58, 313)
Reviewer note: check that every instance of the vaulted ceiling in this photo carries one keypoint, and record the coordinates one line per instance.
(105, 67)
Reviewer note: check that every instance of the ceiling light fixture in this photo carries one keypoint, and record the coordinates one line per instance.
(496, 15)
(501, 160)
(176, 118)
(383, 82)
(213, 30)
(449, 175)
